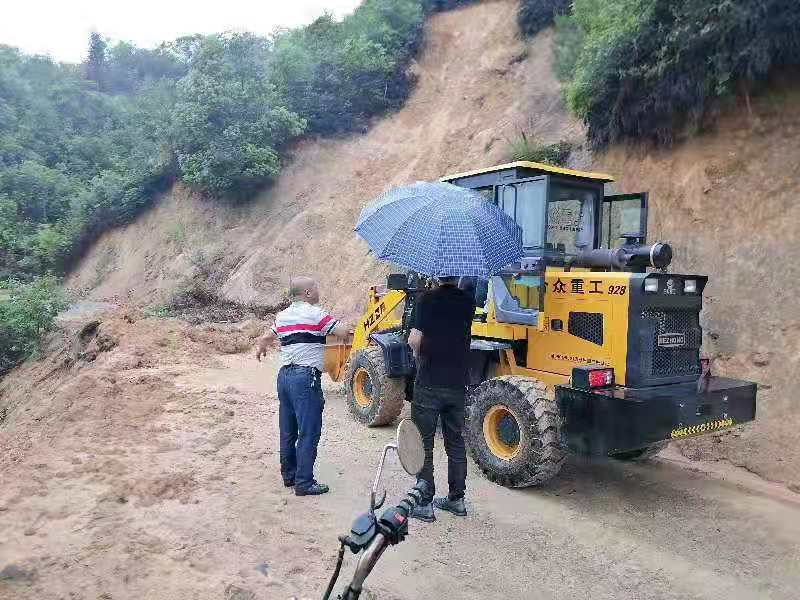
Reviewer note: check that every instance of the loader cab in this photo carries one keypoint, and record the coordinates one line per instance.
(560, 210)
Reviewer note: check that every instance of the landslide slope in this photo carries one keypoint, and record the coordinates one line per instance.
(478, 84)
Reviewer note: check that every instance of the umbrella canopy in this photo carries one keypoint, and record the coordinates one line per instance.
(441, 230)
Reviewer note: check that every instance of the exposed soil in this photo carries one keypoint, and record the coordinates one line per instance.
(728, 203)
(148, 468)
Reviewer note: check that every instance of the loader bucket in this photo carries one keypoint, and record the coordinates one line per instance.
(336, 355)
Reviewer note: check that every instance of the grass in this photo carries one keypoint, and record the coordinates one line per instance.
(524, 148)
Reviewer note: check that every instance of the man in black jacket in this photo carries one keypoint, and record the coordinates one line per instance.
(440, 340)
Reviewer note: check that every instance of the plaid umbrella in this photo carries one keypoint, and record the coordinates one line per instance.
(440, 230)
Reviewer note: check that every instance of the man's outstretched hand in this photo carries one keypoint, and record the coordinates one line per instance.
(263, 345)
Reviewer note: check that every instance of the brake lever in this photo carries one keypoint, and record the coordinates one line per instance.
(376, 505)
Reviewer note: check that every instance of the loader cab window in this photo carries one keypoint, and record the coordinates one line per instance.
(623, 214)
(570, 219)
(525, 202)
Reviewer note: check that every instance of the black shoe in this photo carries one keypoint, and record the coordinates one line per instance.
(315, 490)
(423, 512)
(287, 483)
(452, 506)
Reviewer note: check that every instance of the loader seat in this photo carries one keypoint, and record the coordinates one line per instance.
(507, 308)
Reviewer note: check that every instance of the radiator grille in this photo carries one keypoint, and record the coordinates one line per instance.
(673, 362)
(587, 326)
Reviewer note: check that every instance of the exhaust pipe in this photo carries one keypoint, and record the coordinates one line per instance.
(657, 256)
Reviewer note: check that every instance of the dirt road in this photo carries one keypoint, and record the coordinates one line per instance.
(152, 474)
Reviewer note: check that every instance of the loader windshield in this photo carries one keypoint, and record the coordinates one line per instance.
(557, 221)
(570, 218)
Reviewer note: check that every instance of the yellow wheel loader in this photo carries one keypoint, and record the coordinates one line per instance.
(586, 345)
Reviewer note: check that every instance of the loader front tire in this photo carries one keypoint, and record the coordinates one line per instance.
(513, 431)
(373, 398)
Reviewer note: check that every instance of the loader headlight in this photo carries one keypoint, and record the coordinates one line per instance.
(651, 285)
(690, 286)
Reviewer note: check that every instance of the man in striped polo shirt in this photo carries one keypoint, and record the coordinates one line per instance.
(301, 330)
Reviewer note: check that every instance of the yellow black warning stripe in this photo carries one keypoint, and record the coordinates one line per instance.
(703, 428)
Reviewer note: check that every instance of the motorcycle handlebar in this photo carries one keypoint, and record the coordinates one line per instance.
(380, 542)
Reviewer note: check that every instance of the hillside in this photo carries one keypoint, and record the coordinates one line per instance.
(138, 455)
(476, 88)
(726, 200)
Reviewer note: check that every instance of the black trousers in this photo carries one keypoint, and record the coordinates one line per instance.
(428, 406)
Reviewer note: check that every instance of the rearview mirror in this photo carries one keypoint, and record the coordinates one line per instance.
(408, 445)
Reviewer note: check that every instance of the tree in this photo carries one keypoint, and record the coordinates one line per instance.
(229, 124)
(27, 312)
(96, 61)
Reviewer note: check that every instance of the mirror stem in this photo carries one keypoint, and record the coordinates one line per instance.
(377, 481)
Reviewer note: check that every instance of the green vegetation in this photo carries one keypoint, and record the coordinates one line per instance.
(88, 147)
(336, 75)
(27, 311)
(524, 148)
(73, 161)
(535, 15)
(654, 69)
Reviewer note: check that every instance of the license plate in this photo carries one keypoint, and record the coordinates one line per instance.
(672, 340)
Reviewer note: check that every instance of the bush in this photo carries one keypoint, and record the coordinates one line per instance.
(653, 69)
(535, 15)
(523, 148)
(27, 311)
(337, 75)
(443, 5)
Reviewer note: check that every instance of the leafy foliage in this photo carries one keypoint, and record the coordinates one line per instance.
(535, 15)
(338, 74)
(229, 123)
(27, 311)
(524, 148)
(654, 68)
(442, 5)
(87, 147)
(72, 161)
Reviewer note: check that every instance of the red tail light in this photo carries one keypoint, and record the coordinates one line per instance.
(601, 378)
(589, 377)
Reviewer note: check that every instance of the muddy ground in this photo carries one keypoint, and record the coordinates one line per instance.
(140, 461)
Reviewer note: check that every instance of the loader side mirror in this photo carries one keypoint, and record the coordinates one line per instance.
(397, 281)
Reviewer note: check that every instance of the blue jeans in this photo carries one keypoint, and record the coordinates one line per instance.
(300, 419)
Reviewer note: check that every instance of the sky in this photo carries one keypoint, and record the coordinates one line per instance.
(60, 28)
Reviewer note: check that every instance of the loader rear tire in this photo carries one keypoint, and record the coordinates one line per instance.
(642, 454)
(373, 398)
(514, 432)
